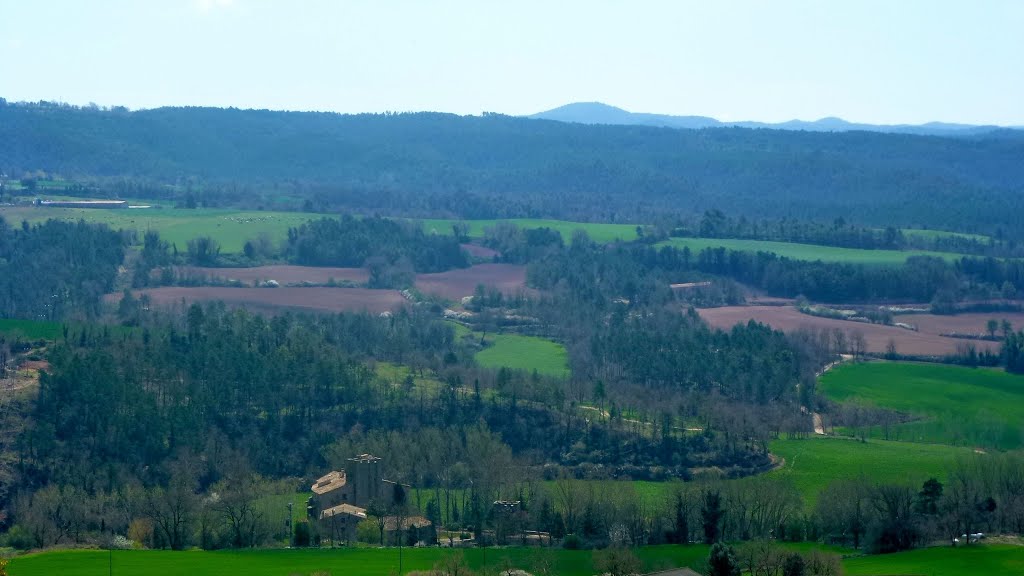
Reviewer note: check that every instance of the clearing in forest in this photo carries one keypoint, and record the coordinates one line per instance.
(524, 353)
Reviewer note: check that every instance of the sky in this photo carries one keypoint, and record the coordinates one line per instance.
(885, 61)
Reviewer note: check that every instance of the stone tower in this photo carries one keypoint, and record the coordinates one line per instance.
(364, 474)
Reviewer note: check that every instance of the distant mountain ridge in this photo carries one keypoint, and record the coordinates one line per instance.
(600, 113)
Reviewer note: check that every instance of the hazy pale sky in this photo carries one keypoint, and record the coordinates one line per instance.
(884, 61)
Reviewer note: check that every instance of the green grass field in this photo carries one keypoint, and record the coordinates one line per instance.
(813, 463)
(231, 228)
(31, 329)
(602, 233)
(524, 353)
(806, 251)
(984, 560)
(963, 561)
(933, 234)
(956, 405)
(338, 562)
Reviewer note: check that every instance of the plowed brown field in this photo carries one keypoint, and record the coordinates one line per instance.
(283, 274)
(477, 251)
(454, 284)
(269, 299)
(972, 323)
(926, 342)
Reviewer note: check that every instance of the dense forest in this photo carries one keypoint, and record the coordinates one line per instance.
(56, 270)
(498, 166)
(393, 251)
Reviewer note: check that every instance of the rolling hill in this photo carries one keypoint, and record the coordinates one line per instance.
(600, 113)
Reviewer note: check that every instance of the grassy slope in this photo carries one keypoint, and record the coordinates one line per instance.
(231, 228)
(597, 232)
(525, 353)
(806, 251)
(815, 462)
(958, 405)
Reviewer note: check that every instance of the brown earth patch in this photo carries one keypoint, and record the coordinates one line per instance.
(35, 365)
(283, 274)
(877, 336)
(271, 299)
(477, 251)
(971, 323)
(454, 284)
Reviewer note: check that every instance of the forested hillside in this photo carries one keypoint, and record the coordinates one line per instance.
(56, 270)
(500, 166)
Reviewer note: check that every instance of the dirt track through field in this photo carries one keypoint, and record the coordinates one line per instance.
(877, 336)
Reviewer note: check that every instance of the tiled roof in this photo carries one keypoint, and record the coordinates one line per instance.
(346, 509)
(328, 482)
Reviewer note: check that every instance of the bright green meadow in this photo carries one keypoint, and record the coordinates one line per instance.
(602, 233)
(952, 404)
(813, 463)
(524, 353)
(231, 228)
(810, 252)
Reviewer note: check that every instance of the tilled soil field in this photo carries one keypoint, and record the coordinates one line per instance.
(264, 299)
(454, 284)
(877, 336)
(971, 323)
(477, 251)
(283, 274)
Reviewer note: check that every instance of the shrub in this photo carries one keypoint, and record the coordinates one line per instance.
(302, 537)
(572, 542)
(19, 538)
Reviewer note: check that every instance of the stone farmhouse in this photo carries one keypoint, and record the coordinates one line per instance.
(341, 498)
